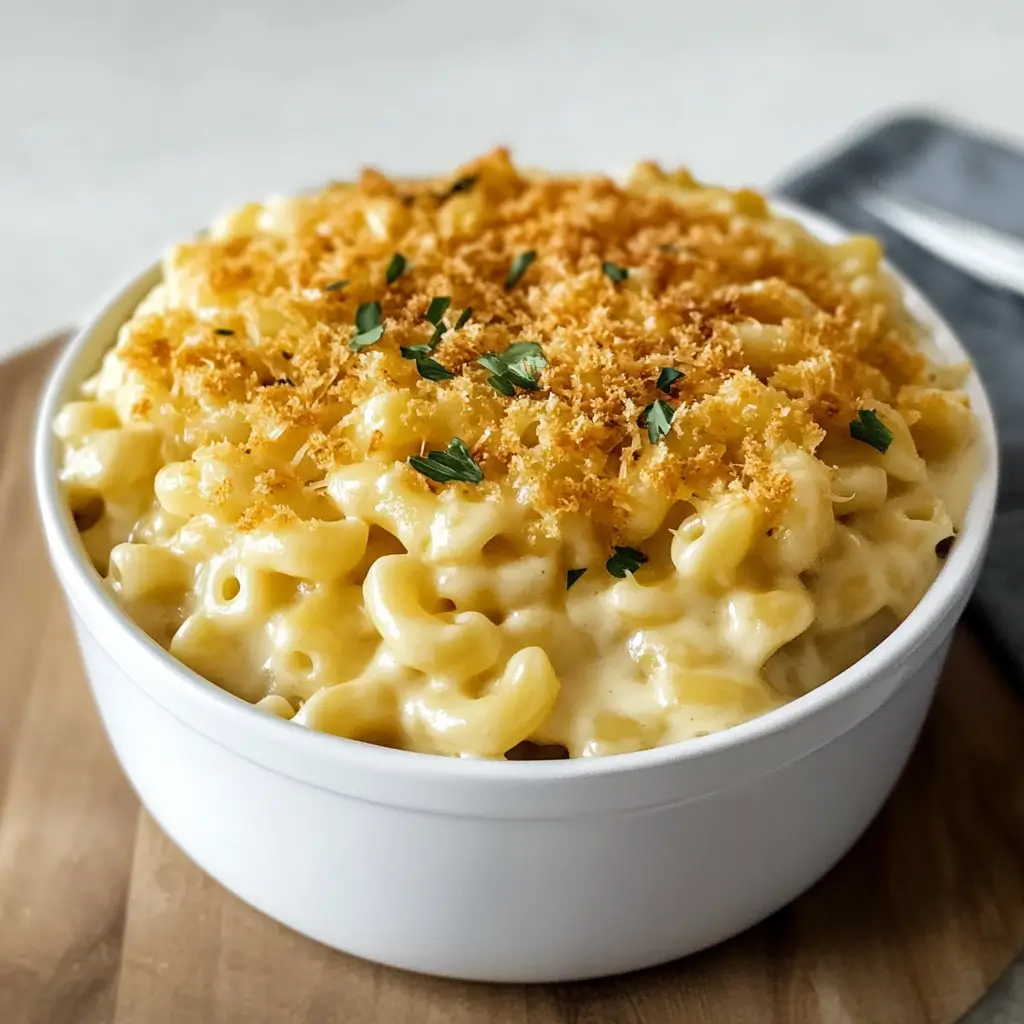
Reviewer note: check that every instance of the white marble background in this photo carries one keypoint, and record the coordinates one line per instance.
(125, 124)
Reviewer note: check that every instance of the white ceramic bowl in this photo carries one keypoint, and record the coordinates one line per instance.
(521, 871)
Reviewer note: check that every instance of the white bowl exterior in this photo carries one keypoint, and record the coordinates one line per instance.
(506, 871)
(506, 899)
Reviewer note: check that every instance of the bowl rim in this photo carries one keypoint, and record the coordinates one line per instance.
(75, 571)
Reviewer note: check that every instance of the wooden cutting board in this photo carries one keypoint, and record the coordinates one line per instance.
(103, 920)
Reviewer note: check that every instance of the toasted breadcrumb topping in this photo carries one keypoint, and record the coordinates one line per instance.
(778, 336)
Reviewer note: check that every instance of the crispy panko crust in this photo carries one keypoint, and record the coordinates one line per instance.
(705, 267)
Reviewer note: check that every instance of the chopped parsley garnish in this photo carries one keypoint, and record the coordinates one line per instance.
(455, 463)
(334, 286)
(614, 272)
(571, 577)
(224, 330)
(519, 267)
(625, 560)
(437, 309)
(415, 351)
(463, 318)
(517, 367)
(434, 315)
(368, 316)
(368, 326)
(867, 427)
(396, 268)
(502, 385)
(657, 418)
(459, 185)
(667, 378)
(431, 369)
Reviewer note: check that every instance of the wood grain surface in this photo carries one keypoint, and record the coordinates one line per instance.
(103, 920)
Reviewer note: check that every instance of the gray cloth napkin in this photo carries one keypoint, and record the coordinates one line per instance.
(923, 159)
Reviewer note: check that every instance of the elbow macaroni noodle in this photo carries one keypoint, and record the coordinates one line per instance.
(624, 575)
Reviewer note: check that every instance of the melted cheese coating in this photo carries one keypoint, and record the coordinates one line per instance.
(240, 470)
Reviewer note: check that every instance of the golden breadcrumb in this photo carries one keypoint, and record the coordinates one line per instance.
(778, 337)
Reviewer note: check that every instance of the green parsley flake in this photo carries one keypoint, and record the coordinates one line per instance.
(502, 385)
(625, 560)
(463, 318)
(365, 338)
(437, 309)
(517, 367)
(431, 369)
(869, 428)
(396, 268)
(434, 315)
(368, 326)
(614, 272)
(455, 463)
(572, 576)
(519, 267)
(428, 368)
(334, 286)
(657, 418)
(667, 378)
(415, 351)
(368, 316)
(439, 332)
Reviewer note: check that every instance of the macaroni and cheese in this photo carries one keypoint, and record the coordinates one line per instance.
(512, 465)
